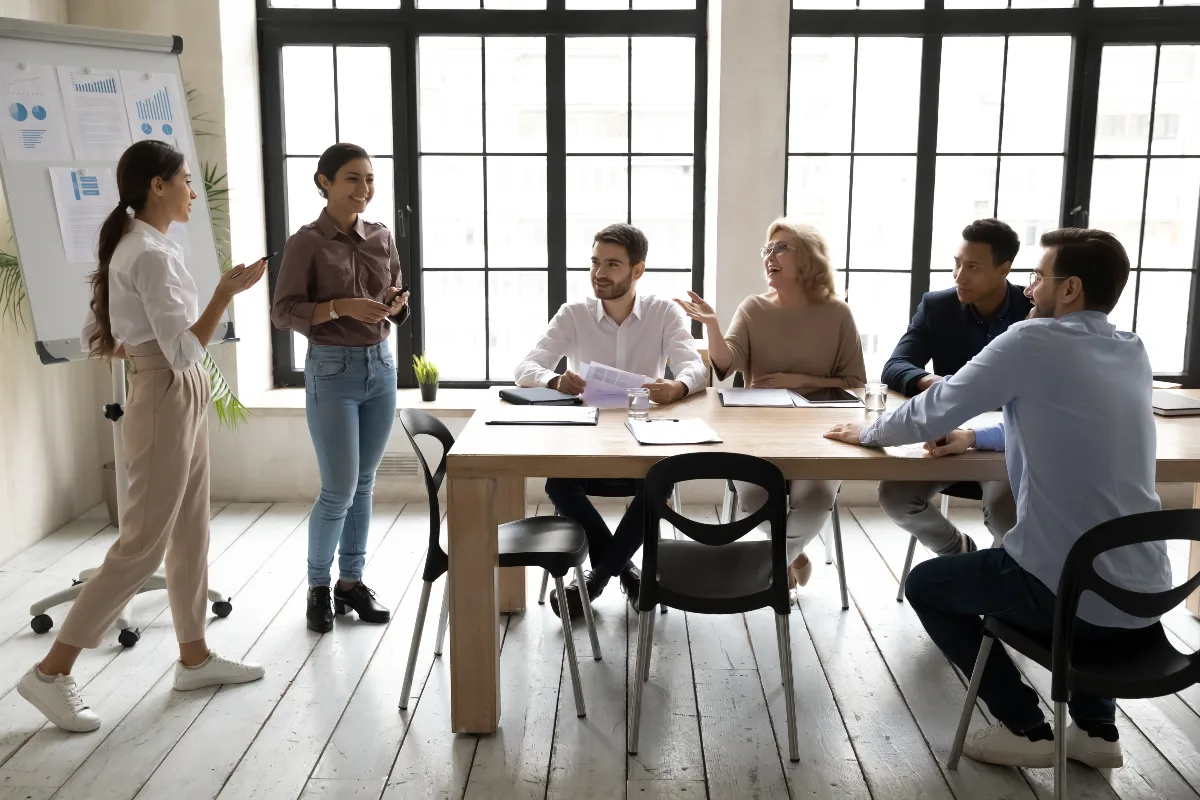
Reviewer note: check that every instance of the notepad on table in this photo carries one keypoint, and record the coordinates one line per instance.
(1170, 404)
(756, 398)
(542, 415)
(656, 430)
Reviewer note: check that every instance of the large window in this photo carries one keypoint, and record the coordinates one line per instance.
(502, 142)
(908, 119)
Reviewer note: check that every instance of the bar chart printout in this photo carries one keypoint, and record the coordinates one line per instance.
(83, 199)
(154, 108)
(32, 125)
(95, 112)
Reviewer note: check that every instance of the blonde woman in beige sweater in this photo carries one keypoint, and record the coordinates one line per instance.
(796, 335)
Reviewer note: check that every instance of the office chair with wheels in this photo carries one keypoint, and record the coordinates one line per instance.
(555, 544)
(1135, 663)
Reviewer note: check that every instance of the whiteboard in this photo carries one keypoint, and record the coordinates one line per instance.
(59, 291)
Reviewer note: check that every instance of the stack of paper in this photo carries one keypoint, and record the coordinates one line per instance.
(672, 431)
(756, 398)
(607, 386)
(542, 415)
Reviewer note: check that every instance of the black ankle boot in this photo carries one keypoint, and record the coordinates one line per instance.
(320, 611)
(363, 601)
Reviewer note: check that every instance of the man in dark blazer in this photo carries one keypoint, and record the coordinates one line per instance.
(950, 327)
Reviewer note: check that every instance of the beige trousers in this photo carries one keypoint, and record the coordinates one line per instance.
(809, 505)
(166, 511)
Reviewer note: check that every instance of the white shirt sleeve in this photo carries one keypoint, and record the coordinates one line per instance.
(537, 367)
(157, 279)
(986, 383)
(679, 348)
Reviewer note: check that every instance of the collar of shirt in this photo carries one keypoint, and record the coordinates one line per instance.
(1005, 307)
(600, 314)
(328, 227)
(155, 235)
(1091, 321)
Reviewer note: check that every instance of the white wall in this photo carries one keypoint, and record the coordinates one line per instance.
(50, 424)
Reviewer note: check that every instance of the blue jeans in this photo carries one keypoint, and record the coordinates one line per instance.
(950, 594)
(350, 395)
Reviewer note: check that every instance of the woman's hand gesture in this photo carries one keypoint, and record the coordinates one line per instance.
(698, 309)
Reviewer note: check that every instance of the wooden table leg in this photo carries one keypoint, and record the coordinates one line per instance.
(474, 626)
(1193, 602)
(510, 506)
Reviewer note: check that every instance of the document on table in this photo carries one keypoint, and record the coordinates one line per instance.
(154, 108)
(96, 117)
(84, 198)
(606, 386)
(542, 415)
(756, 398)
(656, 430)
(32, 125)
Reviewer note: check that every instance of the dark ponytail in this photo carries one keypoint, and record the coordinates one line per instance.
(141, 163)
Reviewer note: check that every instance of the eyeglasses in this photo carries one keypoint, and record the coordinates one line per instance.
(1035, 279)
(768, 250)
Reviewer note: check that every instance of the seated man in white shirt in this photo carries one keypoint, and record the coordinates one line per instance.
(1079, 441)
(629, 331)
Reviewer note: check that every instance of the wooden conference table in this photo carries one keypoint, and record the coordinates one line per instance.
(488, 465)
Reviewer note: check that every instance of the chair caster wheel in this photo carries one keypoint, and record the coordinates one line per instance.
(129, 637)
(222, 608)
(41, 623)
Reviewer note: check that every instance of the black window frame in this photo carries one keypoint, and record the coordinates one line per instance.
(1091, 30)
(401, 30)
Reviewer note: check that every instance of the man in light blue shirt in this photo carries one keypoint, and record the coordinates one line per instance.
(1079, 442)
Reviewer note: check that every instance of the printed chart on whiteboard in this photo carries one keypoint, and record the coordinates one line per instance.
(84, 199)
(96, 116)
(154, 107)
(32, 125)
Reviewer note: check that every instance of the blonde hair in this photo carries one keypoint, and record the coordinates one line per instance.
(817, 277)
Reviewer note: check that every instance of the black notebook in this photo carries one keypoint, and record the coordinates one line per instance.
(1170, 404)
(539, 396)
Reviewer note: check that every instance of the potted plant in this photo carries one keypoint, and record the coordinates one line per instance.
(427, 377)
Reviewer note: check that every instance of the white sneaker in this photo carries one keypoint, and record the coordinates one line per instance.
(1093, 750)
(215, 671)
(996, 744)
(59, 700)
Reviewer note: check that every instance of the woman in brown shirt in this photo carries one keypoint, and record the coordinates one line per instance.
(797, 335)
(339, 285)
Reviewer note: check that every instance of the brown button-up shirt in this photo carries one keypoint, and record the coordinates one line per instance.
(323, 263)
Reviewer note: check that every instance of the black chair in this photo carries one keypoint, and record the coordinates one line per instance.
(967, 490)
(555, 544)
(711, 572)
(1136, 663)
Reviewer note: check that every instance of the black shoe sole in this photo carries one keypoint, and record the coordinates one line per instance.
(320, 626)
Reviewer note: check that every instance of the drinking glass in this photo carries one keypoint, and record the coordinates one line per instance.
(875, 398)
(639, 403)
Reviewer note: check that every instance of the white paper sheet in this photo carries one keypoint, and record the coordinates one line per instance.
(604, 379)
(84, 199)
(32, 125)
(756, 398)
(154, 108)
(657, 430)
(96, 118)
(541, 415)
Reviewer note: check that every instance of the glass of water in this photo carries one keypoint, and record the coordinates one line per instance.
(875, 398)
(639, 403)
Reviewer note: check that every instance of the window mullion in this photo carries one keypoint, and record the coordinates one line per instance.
(927, 124)
(556, 174)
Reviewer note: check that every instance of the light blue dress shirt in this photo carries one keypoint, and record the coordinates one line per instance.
(1079, 442)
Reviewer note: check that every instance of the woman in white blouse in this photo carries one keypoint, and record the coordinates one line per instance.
(145, 309)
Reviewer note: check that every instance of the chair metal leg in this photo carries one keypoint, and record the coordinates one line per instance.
(443, 618)
(946, 506)
(960, 735)
(542, 593)
(728, 506)
(645, 626)
(1060, 751)
(912, 549)
(587, 613)
(418, 627)
(841, 561)
(649, 648)
(571, 659)
(783, 633)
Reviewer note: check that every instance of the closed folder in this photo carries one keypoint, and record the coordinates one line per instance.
(539, 396)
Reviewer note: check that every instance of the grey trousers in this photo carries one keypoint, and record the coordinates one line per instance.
(909, 505)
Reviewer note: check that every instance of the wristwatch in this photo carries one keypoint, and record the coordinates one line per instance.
(333, 314)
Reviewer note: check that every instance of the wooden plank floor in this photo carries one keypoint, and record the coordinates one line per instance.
(876, 701)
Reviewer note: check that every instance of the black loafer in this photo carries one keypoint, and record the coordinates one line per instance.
(631, 585)
(320, 612)
(363, 601)
(574, 599)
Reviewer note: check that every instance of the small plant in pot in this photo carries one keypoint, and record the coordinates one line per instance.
(427, 377)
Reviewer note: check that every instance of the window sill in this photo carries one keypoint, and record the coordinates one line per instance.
(450, 403)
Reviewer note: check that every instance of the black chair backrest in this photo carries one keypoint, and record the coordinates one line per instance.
(419, 423)
(1079, 575)
(661, 479)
